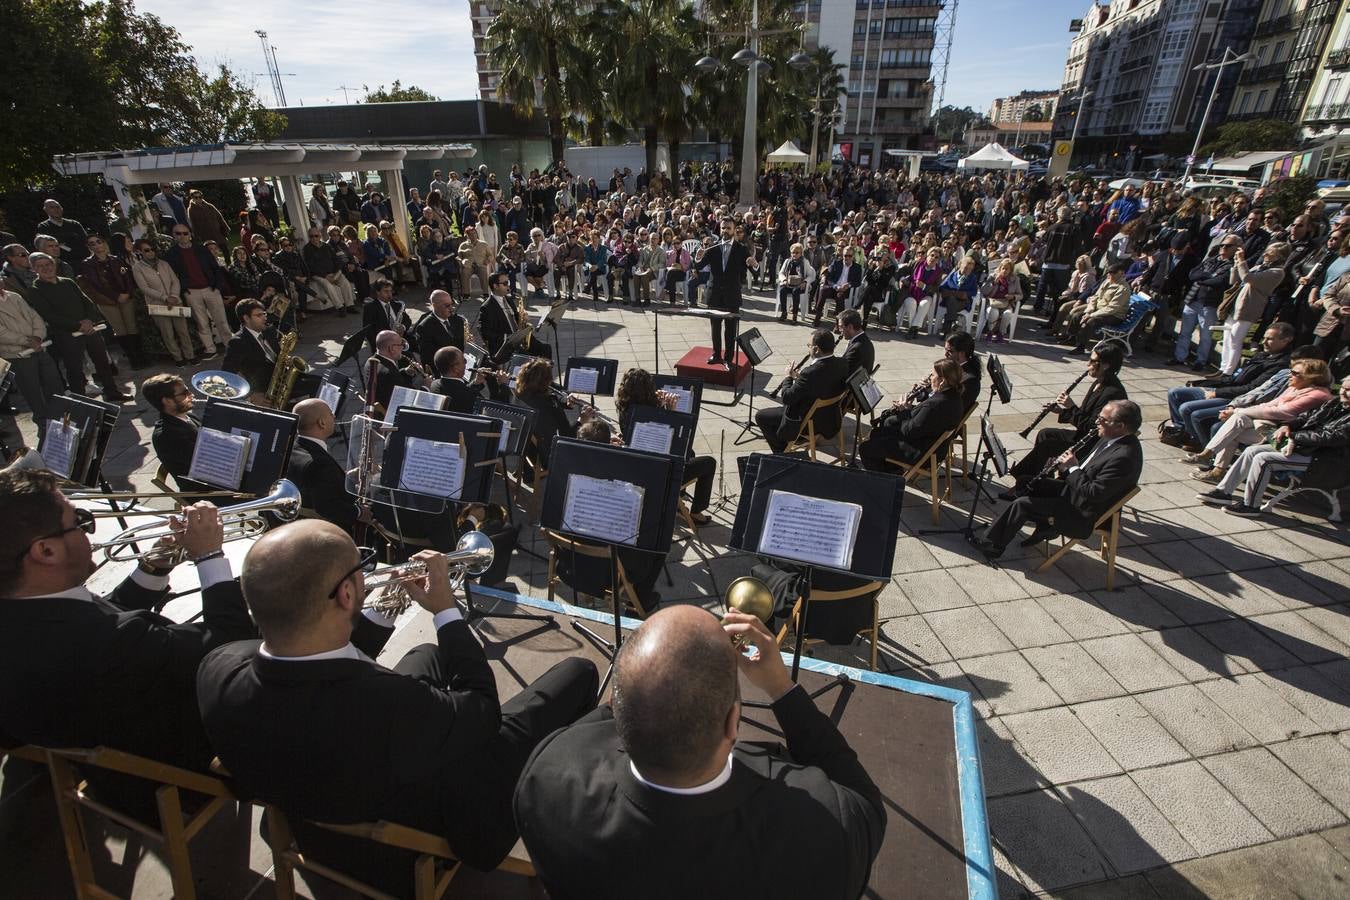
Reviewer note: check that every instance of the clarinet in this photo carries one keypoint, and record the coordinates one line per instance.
(773, 395)
(1078, 447)
(1045, 411)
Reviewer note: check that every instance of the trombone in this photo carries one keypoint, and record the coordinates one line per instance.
(472, 556)
(137, 496)
(241, 521)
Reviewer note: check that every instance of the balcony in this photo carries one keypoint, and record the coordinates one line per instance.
(1328, 112)
(1269, 72)
(1127, 97)
(1279, 25)
(902, 102)
(1339, 59)
(1136, 62)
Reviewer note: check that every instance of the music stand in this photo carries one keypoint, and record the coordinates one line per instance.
(272, 432)
(866, 395)
(518, 422)
(583, 499)
(682, 385)
(96, 421)
(551, 317)
(756, 351)
(606, 374)
(818, 516)
(351, 348)
(680, 425)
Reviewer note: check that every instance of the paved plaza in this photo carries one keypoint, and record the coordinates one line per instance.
(1187, 734)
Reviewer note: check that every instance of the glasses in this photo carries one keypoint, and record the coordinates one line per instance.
(178, 233)
(1103, 420)
(84, 521)
(1299, 373)
(367, 558)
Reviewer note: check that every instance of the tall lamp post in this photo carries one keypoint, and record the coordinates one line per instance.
(1213, 92)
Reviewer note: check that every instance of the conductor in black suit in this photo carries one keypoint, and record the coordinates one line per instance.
(858, 350)
(308, 720)
(655, 798)
(381, 312)
(78, 670)
(909, 429)
(439, 327)
(1080, 488)
(321, 478)
(823, 376)
(252, 351)
(726, 264)
(175, 434)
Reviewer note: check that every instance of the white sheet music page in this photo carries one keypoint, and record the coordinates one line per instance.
(432, 467)
(760, 346)
(654, 437)
(810, 529)
(254, 438)
(603, 508)
(684, 397)
(58, 448)
(406, 396)
(582, 381)
(872, 391)
(218, 459)
(330, 394)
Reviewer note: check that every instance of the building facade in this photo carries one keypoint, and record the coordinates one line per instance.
(1010, 135)
(1014, 108)
(1287, 50)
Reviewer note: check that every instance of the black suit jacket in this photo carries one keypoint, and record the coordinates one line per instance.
(550, 420)
(595, 832)
(855, 274)
(817, 380)
(348, 740)
(111, 672)
(971, 375)
(462, 395)
(322, 482)
(245, 357)
(1095, 486)
(174, 441)
(860, 354)
(493, 323)
(1083, 417)
(374, 319)
(724, 289)
(430, 335)
(387, 376)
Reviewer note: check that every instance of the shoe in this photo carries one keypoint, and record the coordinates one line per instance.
(730, 364)
(1199, 458)
(782, 317)
(1175, 362)
(1041, 534)
(1238, 508)
(116, 397)
(990, 551)
(700, 518)
(1213, 475)
(1000, 339)
(178, 363)
(1215, 497)
(1010, 494)
(714, 359)
(1201, 367)
(913, 332)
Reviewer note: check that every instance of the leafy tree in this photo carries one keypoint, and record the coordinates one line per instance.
(1033, 113)
(951, 121)
(828, 75)
(1288, 196)
(395, 93)
(532, 39)
(1253, 135)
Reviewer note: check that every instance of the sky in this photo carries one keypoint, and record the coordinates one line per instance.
(1001, 46)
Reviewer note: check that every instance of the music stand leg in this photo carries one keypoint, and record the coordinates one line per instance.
(612, 647)
(857, 436)
(749, 428)
(983, 453)
(656, 339)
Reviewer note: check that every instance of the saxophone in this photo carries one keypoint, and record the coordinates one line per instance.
(285, 372)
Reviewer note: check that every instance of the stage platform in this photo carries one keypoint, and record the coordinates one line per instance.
(694, 364)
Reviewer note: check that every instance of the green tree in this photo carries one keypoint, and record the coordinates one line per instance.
(1288, 196)
(950, 122)
(1253, 135)
(828, 76)
(537, 39)
(395, 93)
(1033, 113)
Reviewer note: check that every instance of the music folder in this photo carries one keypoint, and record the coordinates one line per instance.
(865, 390)
(95, 420)
(518, 420)
(271, 434)
(754, 346)
(591, 375)
(423, 438)
(689, 390)
(680, 425)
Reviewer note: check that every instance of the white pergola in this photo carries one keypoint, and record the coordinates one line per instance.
(122, 169)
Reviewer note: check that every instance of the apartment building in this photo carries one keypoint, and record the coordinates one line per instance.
(1014, 109)
(1287, 49)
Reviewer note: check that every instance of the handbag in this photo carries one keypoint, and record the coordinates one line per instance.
(1228, 302)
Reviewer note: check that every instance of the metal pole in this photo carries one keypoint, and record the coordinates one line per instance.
(815, 131)
(1204, 120)
(1079, 117)
(749, 145)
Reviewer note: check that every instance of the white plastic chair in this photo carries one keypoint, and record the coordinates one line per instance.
(967, 318)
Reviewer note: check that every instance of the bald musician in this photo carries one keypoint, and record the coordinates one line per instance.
(450, 370)
(389, 368)
(308, 720)
(321, 478)
(654, 798)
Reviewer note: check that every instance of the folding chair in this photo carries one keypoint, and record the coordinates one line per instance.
(1332, 496)
(537, 482)
(560, 543)
(1108, 523)
(806, 434)
(819, 596)
(930, 464)
(176, 827)
(959, 436)
(433, 869)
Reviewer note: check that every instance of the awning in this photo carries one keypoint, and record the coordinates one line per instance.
(788, 153)
(1245, 161)
(992, 156)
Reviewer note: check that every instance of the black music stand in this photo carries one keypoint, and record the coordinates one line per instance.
(826, 493)
(655, 476)
(552, 316)
(351, 349)
(96, 421)
(273, 434)
(519, 422)
(681, 427)
(866, 395)
(606, 374)
(756, 350)
(694, 387)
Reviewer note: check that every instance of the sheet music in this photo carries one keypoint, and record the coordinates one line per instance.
(330, 393)
(872, 392)
(406, 396)
(810, 529)
(470, 363)
(582, 381)
(515, 370)
(59, 447)
(760, 346)
(684, 397)
(603, 508)
(432, 467)
(654, 437)
(218, 458)
(254, 439)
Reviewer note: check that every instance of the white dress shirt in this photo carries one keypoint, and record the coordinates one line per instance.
(722, 778)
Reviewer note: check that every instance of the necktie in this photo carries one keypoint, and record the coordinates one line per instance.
(726, 255)
(271, 357)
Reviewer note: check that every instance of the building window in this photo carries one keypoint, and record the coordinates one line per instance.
(1245, 104)
(859, 28)
(875, 26)
(1261, 101)
(1278, 52)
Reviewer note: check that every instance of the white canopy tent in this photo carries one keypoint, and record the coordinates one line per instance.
(789, 155)
(992, 156)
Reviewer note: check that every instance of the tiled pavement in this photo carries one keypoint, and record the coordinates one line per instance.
(1193, 725)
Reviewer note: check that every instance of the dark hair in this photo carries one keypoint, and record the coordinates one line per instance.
(1115, 269)
(246, 307)
(962, 342)
(635, 389)
(1308, 351)
(1130, 414)
(1111, 355)
(949, 372)
(822, 339)
(377, 284)
(534, 377)
(1283, 329)
(851, 318)
(158, 388)
(30, 509)
(595, 431)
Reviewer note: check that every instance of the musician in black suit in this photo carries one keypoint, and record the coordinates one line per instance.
(321, 478)
(307, 720)
(387, 369)
(910, 428)
(77, 670)
(655, 798)
(960, 349)
(381, 312)
(498, 319)
(533, 383)
(450, 368)
(823, 376)
(859, 352)
(726, 263)
(439, 327)
(1082, 485)
(175, 436)
(837, 284)
(252, 351)
(1104, 368)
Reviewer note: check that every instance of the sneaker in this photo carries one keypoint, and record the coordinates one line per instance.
(1213, 475)
(1198, 459)
(1238, 508)
(1215, 497)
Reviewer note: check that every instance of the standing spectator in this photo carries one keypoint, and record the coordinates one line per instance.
(169, 205)
(266, 200)
(1208, 282)
(320, 212)
(1127, 206)
(346, 205)
(202, 282)
(475, 258)
(205, 220)
(105, 279)
(326, 282)
(1257, 283)
(22, 332)
(1061, 249)
(159, 285)
(414, 204)
(69, 234)
(71, 318)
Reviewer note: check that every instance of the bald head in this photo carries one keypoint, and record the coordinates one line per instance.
(387, 340)
(442, 304)
(449, 362)
(674, 685)
(289, 572)
(316, 419)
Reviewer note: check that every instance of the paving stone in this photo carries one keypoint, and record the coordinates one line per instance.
(934, 590)
(1295, 633)
(1131, 831)
(1073, 673)
(1338, 838)
(1191, 655)
(1231, 554)
(1060, 746)
(912, 555)
(1009, 882)
(967, 632)
(1003, 764)
(1081, 617)
(1045, 841)
(1293, 869)
(1186, 559)
(1272, 792)
(1323, 763)
(1196, 721)
(1240, 595)
(893, 603)
(1261, 710)
(949, 674)
(1129, 733)
(1136, 607)
(1249, 646)
(918, 645)
(1186, 600)
(1009, 683)
(1274, 545)
(1300, 586)
(986, 584)
(1334, 620)
(1310, 693)
(1196, 804)
(1135, 887)
(1131, 662)
(1025, 623)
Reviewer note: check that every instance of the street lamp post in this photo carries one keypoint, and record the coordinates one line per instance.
(1213, 92)
(1078, 117)
(749, 137)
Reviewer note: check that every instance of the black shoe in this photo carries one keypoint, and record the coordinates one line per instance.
(1040, 534)
(782, 317)
(1238, 508)
(714, 359)
(985, 546)
(913, 331)
(1200, 367)
(1215, 497)
(1010, 494)
(1175, 362)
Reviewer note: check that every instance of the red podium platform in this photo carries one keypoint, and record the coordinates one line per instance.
(694, 364)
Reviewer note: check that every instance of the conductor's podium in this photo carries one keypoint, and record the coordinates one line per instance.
(694, 364)
(916, 740)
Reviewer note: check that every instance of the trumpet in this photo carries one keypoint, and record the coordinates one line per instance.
(100, 496)
(472, 556)
(241, 521)
(751, 596)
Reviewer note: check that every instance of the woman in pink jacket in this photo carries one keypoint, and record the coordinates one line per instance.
(1308, 383)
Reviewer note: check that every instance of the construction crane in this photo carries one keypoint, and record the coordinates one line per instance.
(943, 33)
(273, 70)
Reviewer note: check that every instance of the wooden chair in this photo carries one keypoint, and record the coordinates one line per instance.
(820, 596)
(1108, 523)
(806, 434)
(176, 827)
(537, 482)
(560, 543)
(161, 479)
(959, 436)
(433, 869)
(930, 464)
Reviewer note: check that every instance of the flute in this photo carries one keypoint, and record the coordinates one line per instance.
(1045, 410)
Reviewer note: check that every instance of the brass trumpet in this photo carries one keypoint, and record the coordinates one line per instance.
(472, 556)
(751, 596)
(241, 521)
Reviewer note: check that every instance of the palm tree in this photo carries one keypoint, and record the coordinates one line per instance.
(536, 39)
(827, 77)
